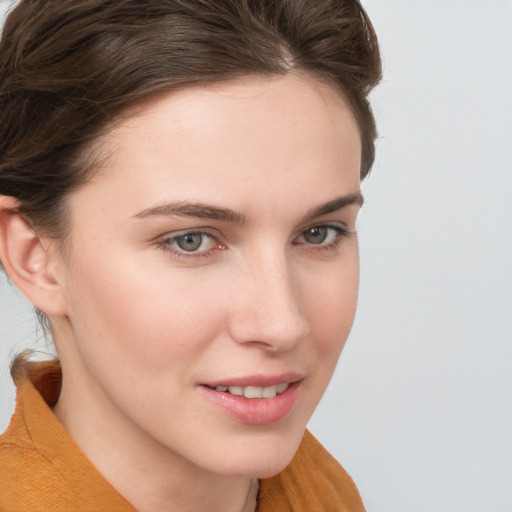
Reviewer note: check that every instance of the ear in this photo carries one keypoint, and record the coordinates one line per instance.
(26, 259)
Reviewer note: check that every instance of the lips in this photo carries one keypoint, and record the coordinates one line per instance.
(255, 401)
(258, 380)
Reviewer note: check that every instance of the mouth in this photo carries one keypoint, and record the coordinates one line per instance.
(269, 402)
(254, 391)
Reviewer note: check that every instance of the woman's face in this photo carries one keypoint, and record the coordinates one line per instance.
(214, 256)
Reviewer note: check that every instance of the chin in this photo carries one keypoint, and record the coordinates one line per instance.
(259, 467)
(260, 456)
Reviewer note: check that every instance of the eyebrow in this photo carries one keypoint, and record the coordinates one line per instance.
(206, 211)
(199, 210)
(336, 204)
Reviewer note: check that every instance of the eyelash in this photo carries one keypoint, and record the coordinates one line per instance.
(340, 234)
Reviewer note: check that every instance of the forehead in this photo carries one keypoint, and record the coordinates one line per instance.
(225, 139)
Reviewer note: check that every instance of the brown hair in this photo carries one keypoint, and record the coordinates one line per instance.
(68, 68)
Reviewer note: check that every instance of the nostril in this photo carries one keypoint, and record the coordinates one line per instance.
(270, 332)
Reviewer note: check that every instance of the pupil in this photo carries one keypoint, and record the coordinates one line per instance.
(316, 235)
(190, 242)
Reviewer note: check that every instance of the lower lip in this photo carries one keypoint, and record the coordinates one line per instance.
(256, 411)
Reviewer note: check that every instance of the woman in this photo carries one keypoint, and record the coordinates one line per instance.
(179, 189)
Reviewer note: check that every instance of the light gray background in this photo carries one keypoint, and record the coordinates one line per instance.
(420, 408)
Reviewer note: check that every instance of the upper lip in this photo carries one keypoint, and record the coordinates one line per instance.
(262, 381)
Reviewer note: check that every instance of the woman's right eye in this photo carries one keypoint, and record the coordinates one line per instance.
(191, 244)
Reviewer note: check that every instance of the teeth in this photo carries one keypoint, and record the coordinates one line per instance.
(282, 387)
(255, 391)
(269, 392)
(236, 390)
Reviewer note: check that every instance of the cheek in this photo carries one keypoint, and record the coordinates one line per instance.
(331, 306)
(145, 318)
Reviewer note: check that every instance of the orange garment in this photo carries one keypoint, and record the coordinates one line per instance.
(43, 470)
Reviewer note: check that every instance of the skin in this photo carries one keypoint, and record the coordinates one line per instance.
(141, 324)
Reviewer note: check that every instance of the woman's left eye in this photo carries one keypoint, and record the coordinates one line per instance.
(190, 243)
(323, 236)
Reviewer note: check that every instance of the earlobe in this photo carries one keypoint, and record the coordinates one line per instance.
(26, 260)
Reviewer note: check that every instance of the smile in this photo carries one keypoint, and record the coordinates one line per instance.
(254, 391)
(255, 405)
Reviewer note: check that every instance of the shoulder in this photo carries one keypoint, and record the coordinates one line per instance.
(41, 468)
(27, 478)
(314, 480)
(25, 472)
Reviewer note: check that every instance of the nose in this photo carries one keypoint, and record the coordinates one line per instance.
(267, 310)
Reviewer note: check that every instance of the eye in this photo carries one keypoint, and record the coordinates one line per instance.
(322, 235)
(325, 238)
(190, 243)
(316, 235)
